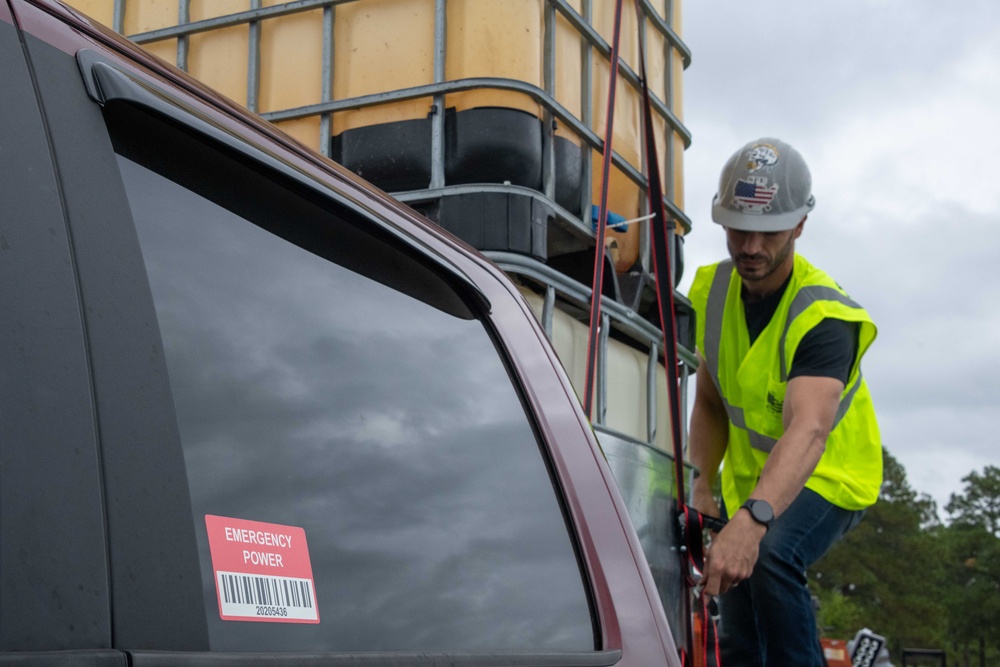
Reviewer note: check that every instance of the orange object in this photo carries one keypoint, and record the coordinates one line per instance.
(835, 652)
(625, 250)
(698, 658)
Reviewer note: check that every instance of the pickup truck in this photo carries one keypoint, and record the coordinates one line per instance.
(255, 411)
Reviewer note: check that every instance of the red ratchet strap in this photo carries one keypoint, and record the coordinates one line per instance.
(694, 527)
(602, 217)
(662, 269)
(693, 524)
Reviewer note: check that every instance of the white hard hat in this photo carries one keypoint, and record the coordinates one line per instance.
(764, 187)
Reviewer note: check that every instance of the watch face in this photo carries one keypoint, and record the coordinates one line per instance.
(761, 511)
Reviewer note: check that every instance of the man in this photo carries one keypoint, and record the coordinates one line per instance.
(781, 405)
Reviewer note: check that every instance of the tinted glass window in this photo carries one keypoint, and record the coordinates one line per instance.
(363, 473)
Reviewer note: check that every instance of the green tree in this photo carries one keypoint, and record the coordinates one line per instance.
(885, 574)
(972, 543)
(980, 504)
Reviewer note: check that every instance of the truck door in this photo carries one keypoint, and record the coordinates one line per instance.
(53, 572)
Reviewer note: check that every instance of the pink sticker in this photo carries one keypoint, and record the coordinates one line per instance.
(262, 571)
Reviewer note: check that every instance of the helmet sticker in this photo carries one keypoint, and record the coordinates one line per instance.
(761, 156)
(753, 196)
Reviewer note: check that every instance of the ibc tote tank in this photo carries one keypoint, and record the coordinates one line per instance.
(486, 115)
(419, 95)
(496, 59)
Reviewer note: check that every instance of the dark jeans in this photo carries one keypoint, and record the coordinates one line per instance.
(768, 620)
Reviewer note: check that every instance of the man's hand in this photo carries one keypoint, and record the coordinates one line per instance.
(733, 553)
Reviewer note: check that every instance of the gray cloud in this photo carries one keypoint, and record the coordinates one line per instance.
(893, 105)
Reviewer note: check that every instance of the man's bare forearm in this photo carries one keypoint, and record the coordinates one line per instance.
(708, 439)
(810, 408)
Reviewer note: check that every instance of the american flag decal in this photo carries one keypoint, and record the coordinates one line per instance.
(753, 196)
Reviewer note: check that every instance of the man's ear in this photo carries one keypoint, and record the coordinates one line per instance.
(799, 227)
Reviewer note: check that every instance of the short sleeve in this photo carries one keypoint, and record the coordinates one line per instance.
(827, 350)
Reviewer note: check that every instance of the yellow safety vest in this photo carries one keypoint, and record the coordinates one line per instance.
(752, 381)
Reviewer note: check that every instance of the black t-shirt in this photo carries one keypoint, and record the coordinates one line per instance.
(827, 350)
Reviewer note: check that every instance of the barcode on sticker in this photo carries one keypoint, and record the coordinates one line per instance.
(264, 597)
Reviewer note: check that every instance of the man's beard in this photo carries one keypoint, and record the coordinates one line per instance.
(764, 266)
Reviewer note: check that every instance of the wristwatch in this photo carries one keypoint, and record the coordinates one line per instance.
(761, 511)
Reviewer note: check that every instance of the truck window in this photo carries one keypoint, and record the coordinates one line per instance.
(363, 473)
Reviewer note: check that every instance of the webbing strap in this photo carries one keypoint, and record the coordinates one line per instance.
(692, 525)
(660, 225)
(602, 217)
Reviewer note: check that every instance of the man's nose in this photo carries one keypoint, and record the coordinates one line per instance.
(753, 242)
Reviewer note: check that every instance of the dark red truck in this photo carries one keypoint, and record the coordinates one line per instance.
(254, 411)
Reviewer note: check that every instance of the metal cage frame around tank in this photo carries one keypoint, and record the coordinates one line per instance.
(621, 318)
(553, 111)
(614, 316)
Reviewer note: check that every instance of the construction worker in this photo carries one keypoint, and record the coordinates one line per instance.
(782, 406)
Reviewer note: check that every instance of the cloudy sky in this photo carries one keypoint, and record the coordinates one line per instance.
(894, 105)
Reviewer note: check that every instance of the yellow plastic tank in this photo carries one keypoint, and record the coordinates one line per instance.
(283, 60)
(387, 45)
(382, 46)
(627, 388)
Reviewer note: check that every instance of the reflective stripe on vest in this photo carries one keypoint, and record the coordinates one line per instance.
(715, 308)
